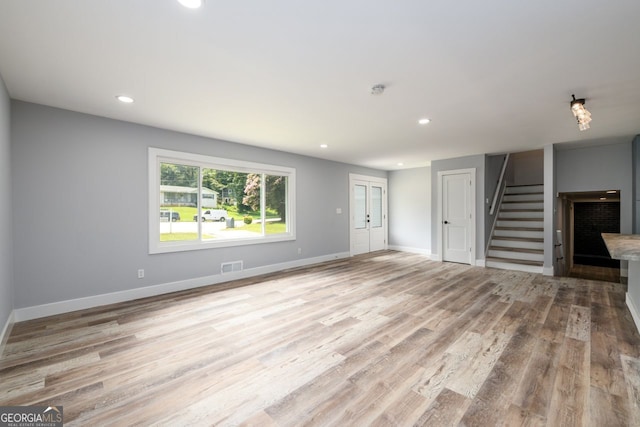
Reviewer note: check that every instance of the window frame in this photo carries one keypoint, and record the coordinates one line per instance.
(156, 156)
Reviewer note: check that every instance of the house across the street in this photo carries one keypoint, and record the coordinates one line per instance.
(175, 195)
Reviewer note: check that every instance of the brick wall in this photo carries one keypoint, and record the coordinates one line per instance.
(591, 219)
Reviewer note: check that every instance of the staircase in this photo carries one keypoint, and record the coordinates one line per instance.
(517, 240)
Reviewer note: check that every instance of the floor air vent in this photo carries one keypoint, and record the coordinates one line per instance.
(231, 267)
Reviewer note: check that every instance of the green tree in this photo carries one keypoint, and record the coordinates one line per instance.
(180, 175)
(234, 183)
(275, 197)
(210, 180)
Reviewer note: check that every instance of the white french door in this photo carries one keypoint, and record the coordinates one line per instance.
(368, 214)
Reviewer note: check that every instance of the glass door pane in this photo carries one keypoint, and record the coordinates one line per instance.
(360, 199)
(376, 207)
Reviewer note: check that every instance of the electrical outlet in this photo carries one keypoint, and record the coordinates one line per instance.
(141, 274)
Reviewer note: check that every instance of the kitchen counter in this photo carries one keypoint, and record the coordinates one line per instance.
(627, 247)
(623, 246)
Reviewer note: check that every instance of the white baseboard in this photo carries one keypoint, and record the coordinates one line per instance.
(420, 251)
(635, 313)
(44, 310)
(6, 330)
(547, 271)
(481, 263)
(436, 257)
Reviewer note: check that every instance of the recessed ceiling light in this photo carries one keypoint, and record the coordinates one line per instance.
(603, 198)
(191, 4)
(400, 164)
(424, 121)
(323, 146)
(124, 98)
(611, 192)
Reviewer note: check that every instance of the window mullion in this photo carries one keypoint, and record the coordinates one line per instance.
(199, 204)
(263, 203)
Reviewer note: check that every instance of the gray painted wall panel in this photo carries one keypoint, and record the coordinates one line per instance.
(410, 208)
(635, 149)
(596, 168)
(6, 226)
(550, 185)
(526, 168)
(80, 206)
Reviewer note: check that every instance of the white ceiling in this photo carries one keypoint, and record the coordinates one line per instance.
(494, 76)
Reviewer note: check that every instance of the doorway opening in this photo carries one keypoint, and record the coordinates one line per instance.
(586, 216)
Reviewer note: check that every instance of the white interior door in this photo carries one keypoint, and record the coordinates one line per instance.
(456, 217)
(368, 215)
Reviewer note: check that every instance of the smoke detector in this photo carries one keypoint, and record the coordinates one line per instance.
(377, 89)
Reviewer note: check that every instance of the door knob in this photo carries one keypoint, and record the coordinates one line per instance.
(446, 222)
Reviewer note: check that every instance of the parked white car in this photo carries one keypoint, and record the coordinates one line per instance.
(213, 215)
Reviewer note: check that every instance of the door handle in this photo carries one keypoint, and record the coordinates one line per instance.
(446, 222)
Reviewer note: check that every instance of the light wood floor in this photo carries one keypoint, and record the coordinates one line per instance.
(384, 339)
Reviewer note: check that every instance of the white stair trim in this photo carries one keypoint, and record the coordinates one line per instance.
(519, 219)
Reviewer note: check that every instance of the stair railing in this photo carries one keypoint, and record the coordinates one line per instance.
(497, 198)
(500, 186)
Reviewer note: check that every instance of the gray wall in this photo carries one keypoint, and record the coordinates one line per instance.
(80, 206)
(597, 168)
(550, 181)
(477, 162)
(525, 168)
(6, 225)
(635, 148)
(410, 209)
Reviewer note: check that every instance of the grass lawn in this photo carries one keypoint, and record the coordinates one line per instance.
(272, 227)
(187, 212)
(175, 237)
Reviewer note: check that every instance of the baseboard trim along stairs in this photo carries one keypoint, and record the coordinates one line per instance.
(517, 240)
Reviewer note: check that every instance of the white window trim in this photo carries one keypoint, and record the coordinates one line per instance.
(158, 155)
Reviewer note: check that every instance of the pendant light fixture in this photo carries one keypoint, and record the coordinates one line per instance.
(580, 113)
